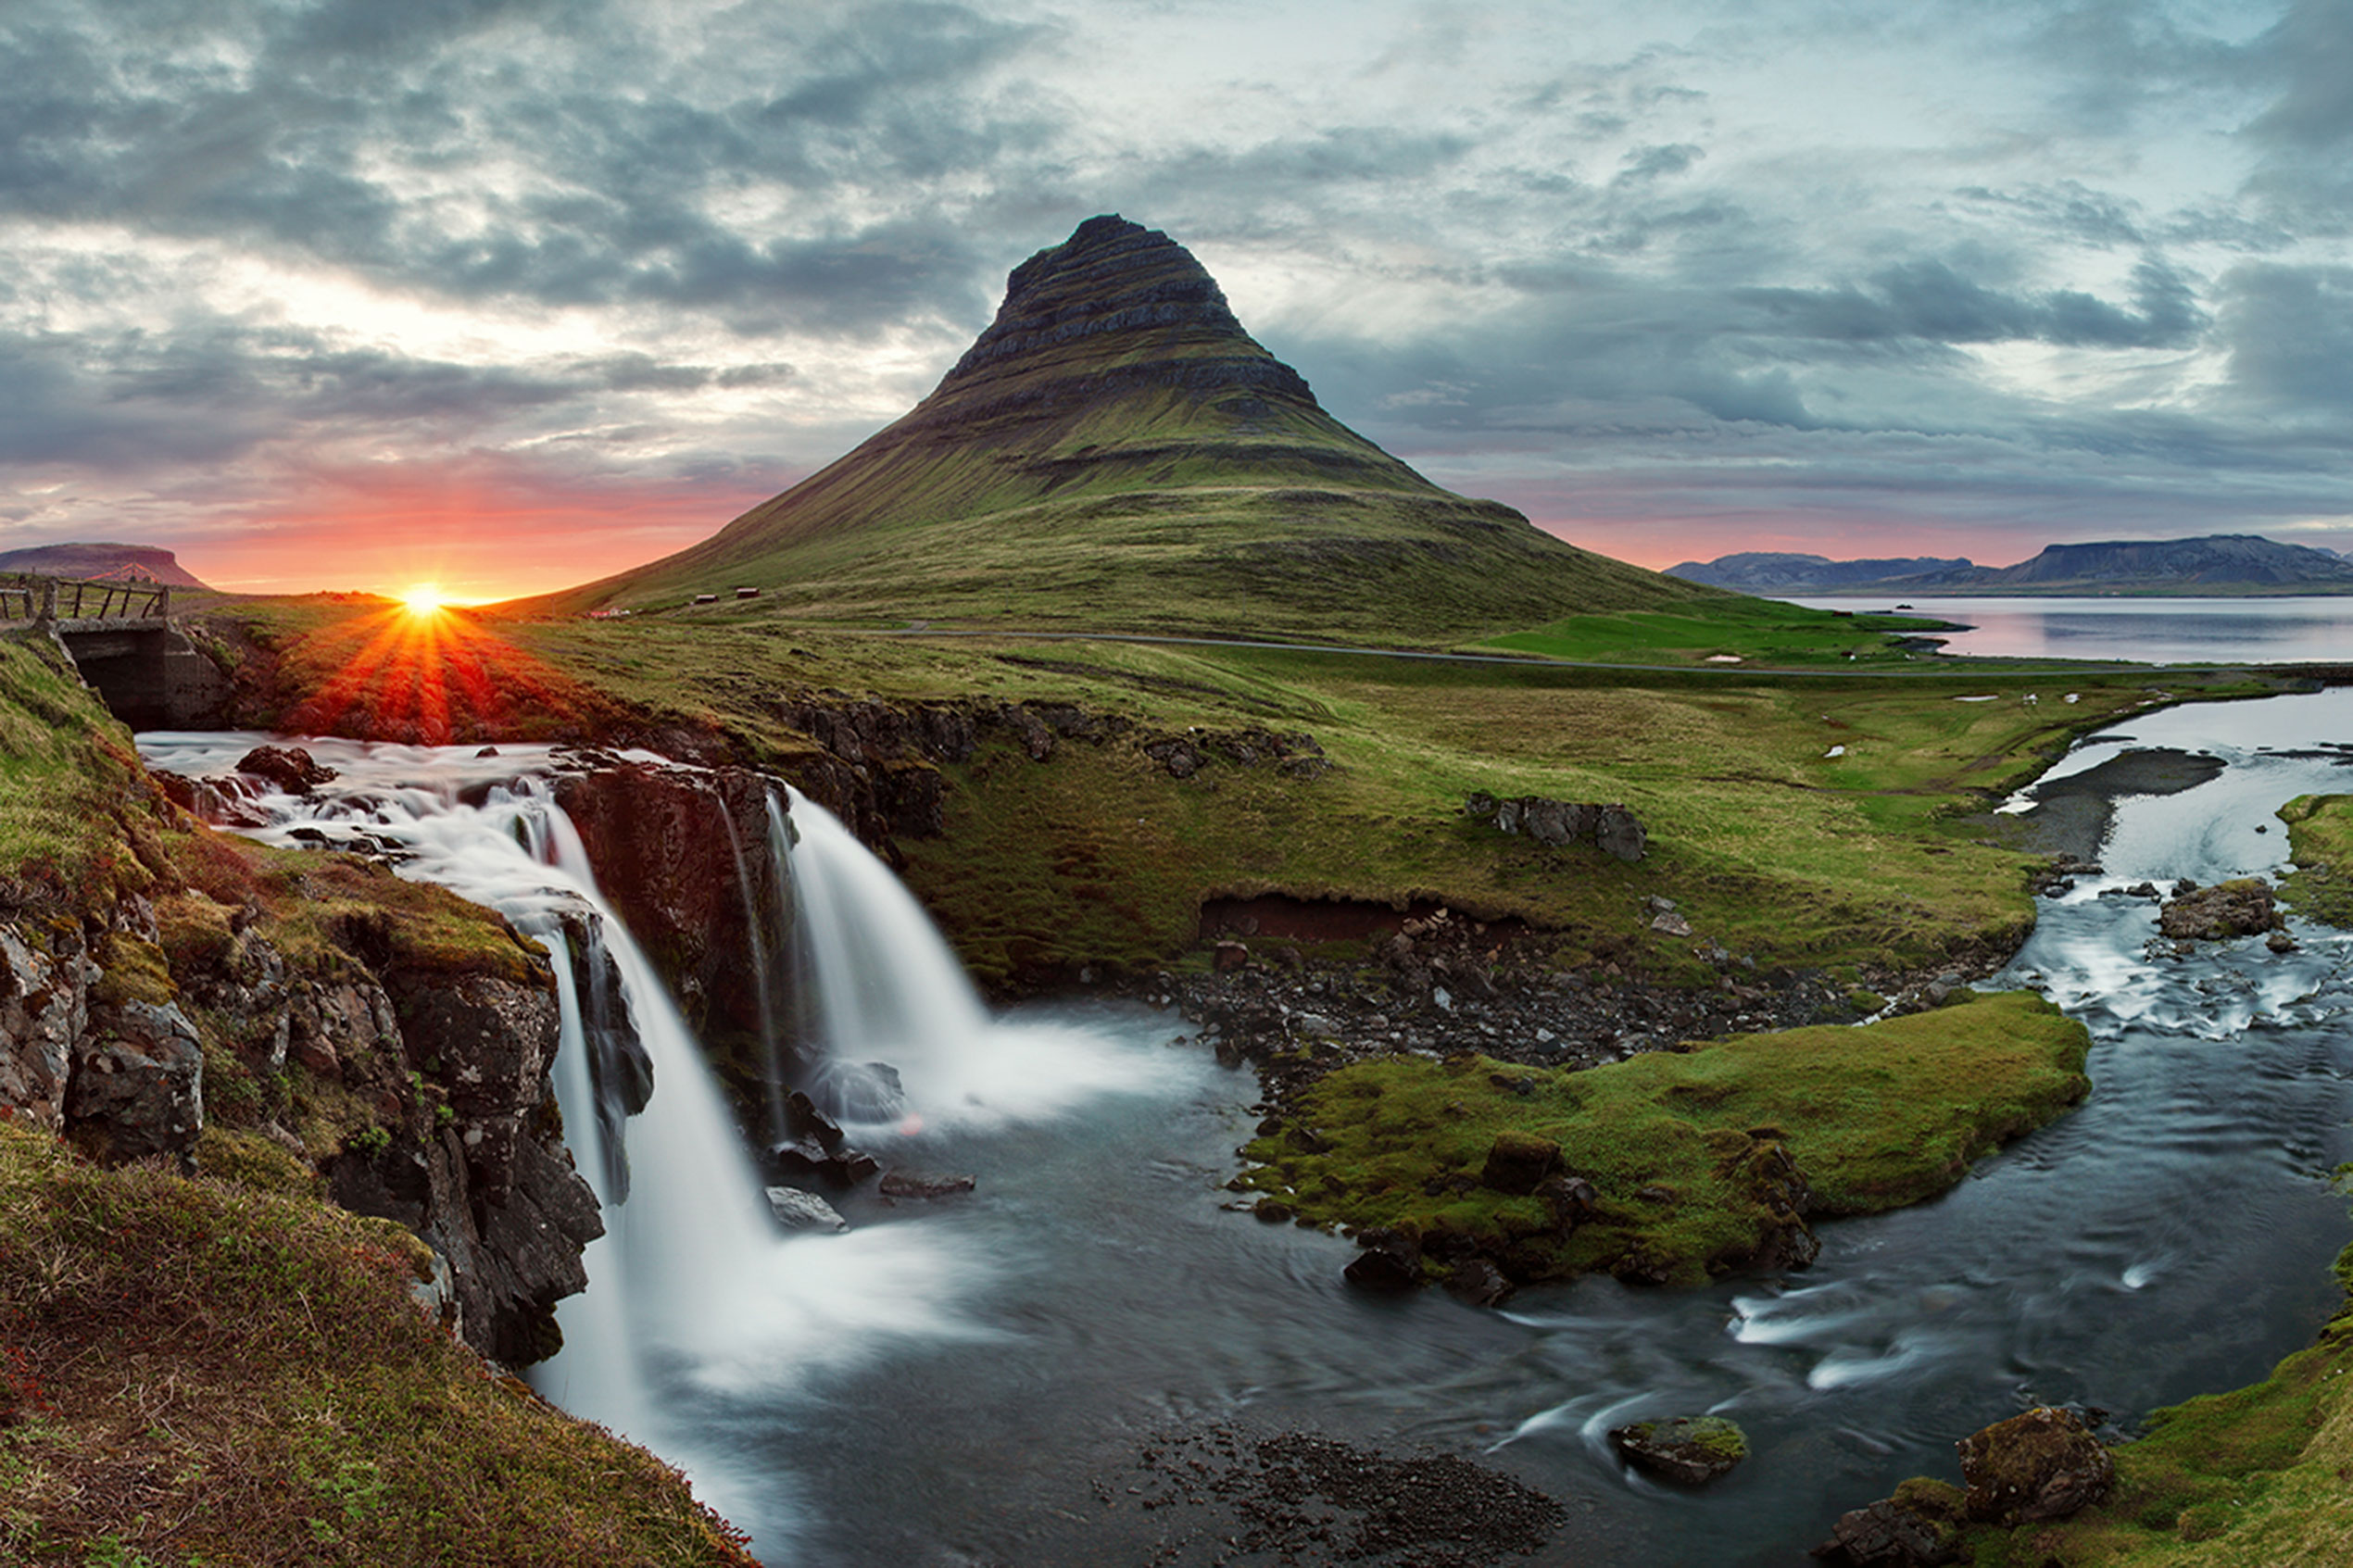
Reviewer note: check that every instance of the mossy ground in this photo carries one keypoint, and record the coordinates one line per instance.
(196, 1372)
(1873, 1117)
(2320, 839)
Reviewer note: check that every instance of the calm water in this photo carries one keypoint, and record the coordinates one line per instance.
(2145, 631)
(941, 1386)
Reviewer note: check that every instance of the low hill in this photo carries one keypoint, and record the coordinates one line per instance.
(1115, 451)
(138, 564)
(2221, 564)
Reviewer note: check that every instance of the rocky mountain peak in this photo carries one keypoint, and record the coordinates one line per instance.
(1112, 291)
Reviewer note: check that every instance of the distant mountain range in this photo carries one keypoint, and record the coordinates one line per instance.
(138, 564)
(2220, 564)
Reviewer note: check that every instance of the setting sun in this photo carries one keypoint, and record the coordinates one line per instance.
(423, 599)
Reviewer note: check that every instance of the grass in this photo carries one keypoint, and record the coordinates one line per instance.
(68, 775)
(2320, 831)
(1679, 1146)
(197, 1372)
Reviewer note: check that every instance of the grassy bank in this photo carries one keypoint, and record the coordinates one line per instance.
(196, 1372)
(1679, 1146)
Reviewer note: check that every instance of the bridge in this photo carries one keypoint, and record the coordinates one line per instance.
(118, 634)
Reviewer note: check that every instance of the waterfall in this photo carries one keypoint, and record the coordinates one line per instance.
(759, 949)
(889, 1019)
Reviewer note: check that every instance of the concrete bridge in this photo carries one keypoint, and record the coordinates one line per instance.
(119, 636)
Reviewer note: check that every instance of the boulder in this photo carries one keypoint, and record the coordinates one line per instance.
(1392, 1261)
(1688, 1450)
(1478, 1283)
(2044, 1464)
(917, 1184)
(842, 1166)
(289, 766)
(2239, 907)
(137, 1086)
(1518, 1162)
(1618, 833)
(1918, 1527)
(1226, 956)
(800, 1210)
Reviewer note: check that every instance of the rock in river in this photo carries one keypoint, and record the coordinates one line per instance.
(1688, 1450)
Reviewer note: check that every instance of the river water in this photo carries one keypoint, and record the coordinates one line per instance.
(947, 1384)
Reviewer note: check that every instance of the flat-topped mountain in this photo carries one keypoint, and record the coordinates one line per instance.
(1770, 571)
(1114, 451)
(138, 564)
(2222, 564)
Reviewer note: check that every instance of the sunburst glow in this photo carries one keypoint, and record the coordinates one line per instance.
(424, 599)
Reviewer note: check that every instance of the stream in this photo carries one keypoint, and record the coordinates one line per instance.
(968, 1381)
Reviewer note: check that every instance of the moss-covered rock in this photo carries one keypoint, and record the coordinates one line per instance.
(1688, 1450)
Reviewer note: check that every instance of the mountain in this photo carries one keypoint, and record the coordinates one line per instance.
(144, 564)
(1114, 451)
(2220, 564)
(1763, 572)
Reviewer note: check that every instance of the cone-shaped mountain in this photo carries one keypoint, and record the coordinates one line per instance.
(1115, 452)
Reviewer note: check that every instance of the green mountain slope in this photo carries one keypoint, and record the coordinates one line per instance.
(1117, 452)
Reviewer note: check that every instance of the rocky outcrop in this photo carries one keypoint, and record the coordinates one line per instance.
(1688, 1450)
(678, 852)
(138, 1083)
(43, 1011)
(2239, 907)
(2044, 1464)
(1611, 829)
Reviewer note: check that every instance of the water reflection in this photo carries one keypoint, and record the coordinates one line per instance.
(2143, 631)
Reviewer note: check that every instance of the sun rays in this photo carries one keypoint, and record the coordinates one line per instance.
(425, 671)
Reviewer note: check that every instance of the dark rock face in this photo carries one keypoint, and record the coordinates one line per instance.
(43, 1011)
(1687, 1450)
(2044, 1464)
(797, 1209)
(138, 1083)
(2240, 908)
(675, 849)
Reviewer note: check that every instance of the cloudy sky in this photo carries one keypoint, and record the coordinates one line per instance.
(513, 292)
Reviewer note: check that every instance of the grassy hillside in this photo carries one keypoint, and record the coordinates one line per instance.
(1116, 451)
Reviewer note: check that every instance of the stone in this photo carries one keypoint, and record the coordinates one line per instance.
(1572, 1199)
(1670, 924)
(1478, 1283)
(2280, 941)
(806, 1157)
(289, 766)
(803, 1120)
(1909, 1530)
(137, 1084)
(2044, 1464)
(2238, 908)
(1518, 1162)
(800, 1210)
(1391, 1262)
(1618, 834)
(917, 1184)
(1227, 957)
(1687, 1450)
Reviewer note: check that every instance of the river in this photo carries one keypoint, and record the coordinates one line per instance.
(971, 1380)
